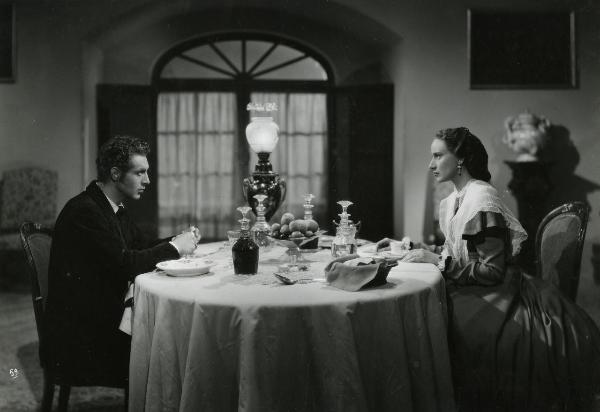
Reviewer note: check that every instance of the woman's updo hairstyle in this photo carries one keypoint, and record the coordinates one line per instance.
(465, 145)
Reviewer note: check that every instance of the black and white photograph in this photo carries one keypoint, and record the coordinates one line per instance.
(299, 205)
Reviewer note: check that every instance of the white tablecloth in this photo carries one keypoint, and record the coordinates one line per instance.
(218, 342)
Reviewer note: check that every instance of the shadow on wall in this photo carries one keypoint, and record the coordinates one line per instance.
(563, 158)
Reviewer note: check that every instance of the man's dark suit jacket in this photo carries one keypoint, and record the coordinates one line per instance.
(94, 254)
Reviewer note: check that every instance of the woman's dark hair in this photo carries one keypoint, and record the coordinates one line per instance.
(116, 152)
(465, 145)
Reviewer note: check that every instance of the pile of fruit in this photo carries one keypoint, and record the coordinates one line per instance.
(292, 228)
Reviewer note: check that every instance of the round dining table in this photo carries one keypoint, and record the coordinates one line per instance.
(224, 342)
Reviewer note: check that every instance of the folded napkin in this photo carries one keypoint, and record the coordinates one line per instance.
(353, 272)
(126, 320)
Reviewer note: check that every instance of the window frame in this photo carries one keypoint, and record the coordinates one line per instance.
(243, 85)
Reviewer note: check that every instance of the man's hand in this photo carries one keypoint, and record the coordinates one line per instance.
(185, 243)
(196, 233)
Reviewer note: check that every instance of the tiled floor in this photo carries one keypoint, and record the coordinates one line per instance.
(20, 372)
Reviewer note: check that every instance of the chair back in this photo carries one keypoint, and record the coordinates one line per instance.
(559, 245)
(36, 241)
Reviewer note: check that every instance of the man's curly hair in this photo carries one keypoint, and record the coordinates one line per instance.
(116, 152)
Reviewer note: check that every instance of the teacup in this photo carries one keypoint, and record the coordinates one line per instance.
(398, 248)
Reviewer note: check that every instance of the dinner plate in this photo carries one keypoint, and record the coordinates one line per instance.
(185, 266)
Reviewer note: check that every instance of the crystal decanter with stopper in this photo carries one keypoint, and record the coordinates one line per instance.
(344, 242)
(260, 230)
(308, 206)
(245, 250)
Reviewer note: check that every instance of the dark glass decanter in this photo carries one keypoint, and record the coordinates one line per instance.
(245, 250)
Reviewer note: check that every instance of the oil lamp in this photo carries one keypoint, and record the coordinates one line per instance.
(262, 136)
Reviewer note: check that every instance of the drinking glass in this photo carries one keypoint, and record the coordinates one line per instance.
(233, 236)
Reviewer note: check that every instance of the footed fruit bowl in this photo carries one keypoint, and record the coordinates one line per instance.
(304, 242)
(294, 246)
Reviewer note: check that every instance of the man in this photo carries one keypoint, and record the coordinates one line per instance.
(96, 251)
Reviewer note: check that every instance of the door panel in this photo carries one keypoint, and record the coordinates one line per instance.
(361, 157)
(130, 110)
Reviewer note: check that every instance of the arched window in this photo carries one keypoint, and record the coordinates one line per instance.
(203, 88)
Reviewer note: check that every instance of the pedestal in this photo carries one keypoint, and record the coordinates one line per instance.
(530, 185)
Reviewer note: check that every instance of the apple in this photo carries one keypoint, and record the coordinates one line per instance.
(312, 225)
(287, 218)
(298, 225)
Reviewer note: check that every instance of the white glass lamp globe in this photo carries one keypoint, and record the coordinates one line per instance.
(262, 134)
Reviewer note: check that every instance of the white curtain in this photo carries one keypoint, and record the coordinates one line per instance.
(197, 153)
(300, 155)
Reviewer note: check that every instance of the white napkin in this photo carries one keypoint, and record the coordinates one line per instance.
(370, 248)
(127, 320)
(359, 260)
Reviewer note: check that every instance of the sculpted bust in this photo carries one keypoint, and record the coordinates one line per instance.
(527, 135)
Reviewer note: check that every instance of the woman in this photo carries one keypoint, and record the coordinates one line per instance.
(517, 344)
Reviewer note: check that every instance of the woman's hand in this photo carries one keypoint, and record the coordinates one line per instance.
(421, 256)
(383, 244)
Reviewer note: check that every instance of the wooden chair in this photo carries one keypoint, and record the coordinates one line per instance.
(36, 241)
(559, 245)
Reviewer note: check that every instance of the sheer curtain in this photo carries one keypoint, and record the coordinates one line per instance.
(300, 155)
(198, 179)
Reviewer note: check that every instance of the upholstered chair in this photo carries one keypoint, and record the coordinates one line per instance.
(27, 193)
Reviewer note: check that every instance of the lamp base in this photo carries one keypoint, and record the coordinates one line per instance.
(264, 166)
(268, 184)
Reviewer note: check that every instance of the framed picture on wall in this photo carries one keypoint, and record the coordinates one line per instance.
(8, 56)
(521, 49)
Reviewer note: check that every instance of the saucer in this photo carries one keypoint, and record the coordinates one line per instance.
(397, 256)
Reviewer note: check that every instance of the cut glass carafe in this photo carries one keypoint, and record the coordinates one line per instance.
(344, 242)
(260, 230)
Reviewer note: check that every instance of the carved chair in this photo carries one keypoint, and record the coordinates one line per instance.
(36, 241)
(559, 245)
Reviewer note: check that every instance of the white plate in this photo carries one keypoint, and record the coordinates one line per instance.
(185, 266)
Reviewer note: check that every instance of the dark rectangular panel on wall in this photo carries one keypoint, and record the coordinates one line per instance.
(7, 43)
(131, 110)
(362, 157)
(521, 49)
